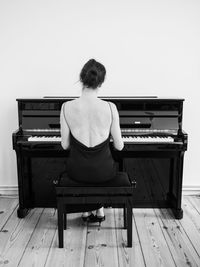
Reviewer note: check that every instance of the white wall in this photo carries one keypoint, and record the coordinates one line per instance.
(148, 47)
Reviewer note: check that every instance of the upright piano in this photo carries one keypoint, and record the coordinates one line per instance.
(153, 152)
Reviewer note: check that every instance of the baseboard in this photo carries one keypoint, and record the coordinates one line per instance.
(8, 190)
(13, 190)
(191, 190)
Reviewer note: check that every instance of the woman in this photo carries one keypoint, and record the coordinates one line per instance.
(86, 125)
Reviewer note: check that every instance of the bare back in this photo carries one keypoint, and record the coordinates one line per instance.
(90, 121)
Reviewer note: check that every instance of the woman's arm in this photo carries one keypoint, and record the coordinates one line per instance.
(64, 129)
(115, 129)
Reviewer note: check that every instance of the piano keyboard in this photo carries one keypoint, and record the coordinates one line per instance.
(126, 139)
(147, 139)
(44, 139)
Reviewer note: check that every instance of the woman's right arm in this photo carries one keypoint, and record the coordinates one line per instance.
(115, 129)
(64, 129)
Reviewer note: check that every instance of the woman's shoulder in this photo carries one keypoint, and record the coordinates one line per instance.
(69, 103)
(106, 102)
(111, 104)
(112, 108)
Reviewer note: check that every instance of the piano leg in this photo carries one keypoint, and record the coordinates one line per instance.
(178, 213)
(21, 213)
(174, 195)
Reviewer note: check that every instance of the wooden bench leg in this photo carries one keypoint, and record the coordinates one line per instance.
(60, 224)
(125, 217)
(65, 220)
(129, 225)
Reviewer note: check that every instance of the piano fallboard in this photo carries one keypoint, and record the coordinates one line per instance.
(145, 113)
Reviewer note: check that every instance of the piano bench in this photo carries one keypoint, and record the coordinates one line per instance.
(71, 194)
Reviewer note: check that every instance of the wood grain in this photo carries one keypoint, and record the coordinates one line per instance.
(37, 249)
(7, 206)
(181, 249)
(101, 247)
(158, 239)
(73, 253)
(127, 256)
(154, 247)
(191, 225)
(15, 235)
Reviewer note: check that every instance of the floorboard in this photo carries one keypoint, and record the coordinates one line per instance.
(155, 249)
(190, 224)
(38, 247)
(73, 253)
(127, 257)
(182, 250)
(7, 207)
(15, 235)
(101, 248)
(158, 239)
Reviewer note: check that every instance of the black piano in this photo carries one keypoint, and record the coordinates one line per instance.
(153, 153)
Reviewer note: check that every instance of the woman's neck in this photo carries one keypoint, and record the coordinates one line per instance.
(89, 93)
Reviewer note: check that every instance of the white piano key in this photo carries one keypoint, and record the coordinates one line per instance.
(126, 139)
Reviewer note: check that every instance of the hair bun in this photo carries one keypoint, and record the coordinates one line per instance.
(91, 77)
(93, 73)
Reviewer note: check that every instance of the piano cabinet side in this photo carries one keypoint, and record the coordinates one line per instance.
(178, 213)
(174, 195)
(22, 210)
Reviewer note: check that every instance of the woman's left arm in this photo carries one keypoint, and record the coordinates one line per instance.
(64, 129)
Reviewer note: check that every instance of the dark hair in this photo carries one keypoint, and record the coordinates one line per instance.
(92, 74)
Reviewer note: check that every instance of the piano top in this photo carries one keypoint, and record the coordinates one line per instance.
(135, 98)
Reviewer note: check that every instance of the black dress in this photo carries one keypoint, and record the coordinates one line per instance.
(93, 165)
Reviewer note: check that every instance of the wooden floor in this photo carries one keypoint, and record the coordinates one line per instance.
(158, 239)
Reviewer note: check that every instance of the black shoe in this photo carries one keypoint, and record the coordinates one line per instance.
(99, 219)
(89, 218)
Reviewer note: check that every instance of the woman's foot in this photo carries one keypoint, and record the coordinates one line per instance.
(100, 217)
(88, 216)
(100, 212)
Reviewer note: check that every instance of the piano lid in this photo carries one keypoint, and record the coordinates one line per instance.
(139, 98)
(110, 97)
